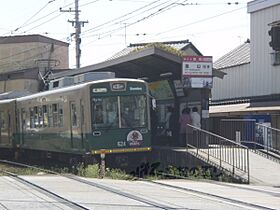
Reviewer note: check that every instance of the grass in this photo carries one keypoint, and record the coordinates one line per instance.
(18, 170)
(93, 171)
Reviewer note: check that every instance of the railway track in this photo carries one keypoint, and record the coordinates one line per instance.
(90, 183)
(60, 200)
(155, 203)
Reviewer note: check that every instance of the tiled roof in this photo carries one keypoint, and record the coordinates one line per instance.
(236, 57)
(179, 45)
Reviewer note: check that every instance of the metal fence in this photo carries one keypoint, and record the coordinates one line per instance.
(223, 152)
(256, 136)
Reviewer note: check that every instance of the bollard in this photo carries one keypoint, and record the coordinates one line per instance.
(102, 165)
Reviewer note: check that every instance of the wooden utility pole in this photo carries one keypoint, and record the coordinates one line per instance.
(77, 25)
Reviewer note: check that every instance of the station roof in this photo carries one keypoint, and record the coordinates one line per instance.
(236, 57)
(141, 61)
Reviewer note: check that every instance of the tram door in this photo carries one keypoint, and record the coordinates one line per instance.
(75, 134)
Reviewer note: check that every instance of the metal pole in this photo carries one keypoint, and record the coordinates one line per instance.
(102, 165)
(248, 166)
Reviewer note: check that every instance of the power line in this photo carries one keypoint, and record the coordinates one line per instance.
(159, 11)
(33, 16)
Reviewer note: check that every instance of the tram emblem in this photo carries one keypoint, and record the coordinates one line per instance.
(134, 138)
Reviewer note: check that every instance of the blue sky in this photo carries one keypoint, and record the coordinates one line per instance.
(213, 26)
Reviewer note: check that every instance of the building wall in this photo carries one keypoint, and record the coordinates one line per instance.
(233, 85)
(30, 85)
(16, 56)
(264, 77)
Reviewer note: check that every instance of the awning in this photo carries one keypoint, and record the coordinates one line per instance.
(241, 109)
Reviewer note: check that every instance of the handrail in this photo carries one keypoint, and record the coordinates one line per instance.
(216, 135)
(274, 129)
(226, 153)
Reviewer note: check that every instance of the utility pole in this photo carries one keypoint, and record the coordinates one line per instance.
(77, 25)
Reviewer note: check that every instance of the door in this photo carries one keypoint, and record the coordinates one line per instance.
(75, 133)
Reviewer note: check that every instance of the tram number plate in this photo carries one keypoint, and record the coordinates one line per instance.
(121, 143)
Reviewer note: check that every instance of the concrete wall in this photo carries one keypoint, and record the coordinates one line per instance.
(30, 85)
(16, 56)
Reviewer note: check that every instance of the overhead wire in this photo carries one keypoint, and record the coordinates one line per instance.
(163, 9)
(122, 16)
(34, 15)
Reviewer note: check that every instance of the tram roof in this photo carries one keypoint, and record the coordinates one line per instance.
(72, 87)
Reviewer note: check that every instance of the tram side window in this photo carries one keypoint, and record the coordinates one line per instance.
(74, 115)
(60, 112)
(40, 118)
(55, 114)
(50, 115)
(36, 117)
(32, 117)
(2, 120)
(45, 116)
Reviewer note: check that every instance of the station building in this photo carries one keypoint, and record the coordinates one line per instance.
(251, 88)
(26, 60)
(160, 64)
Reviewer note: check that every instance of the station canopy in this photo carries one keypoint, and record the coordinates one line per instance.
(151, 63)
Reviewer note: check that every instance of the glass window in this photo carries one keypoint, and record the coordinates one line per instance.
(60, 112)
(32, 118)
(50, 116)
(45, 116)
(105, 112)
(74, 115)
(2, 120)
(133, 111)
(55, 115)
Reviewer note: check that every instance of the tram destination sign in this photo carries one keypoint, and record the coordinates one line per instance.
(197, 72)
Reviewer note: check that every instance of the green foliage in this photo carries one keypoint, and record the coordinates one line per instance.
(163, 47)
(93, 171)
(18, 170)
(117, 174)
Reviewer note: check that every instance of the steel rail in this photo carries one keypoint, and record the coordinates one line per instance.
(47, 192)
(229, 200)
(94, 184)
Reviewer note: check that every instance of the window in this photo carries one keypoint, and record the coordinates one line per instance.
(55, 114)
(105, 112)
(60, 112)
(133, 111)
(119, 112)
(74, 115)
(45, 116)
(50, 115)
(32, 117)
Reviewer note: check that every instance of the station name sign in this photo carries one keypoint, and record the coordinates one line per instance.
(197, 72)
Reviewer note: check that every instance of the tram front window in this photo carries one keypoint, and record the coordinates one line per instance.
(119, 112)
(133, 111)
(105, 112)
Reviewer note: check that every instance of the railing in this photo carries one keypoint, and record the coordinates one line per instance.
(268, 139)
(258, 137)
(225, 153)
